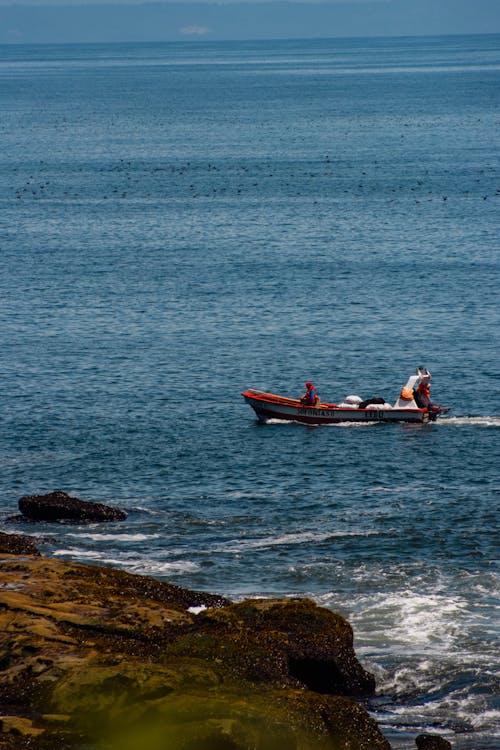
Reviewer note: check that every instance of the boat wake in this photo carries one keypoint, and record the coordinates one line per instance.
(352, 424)
(491, 421)
(485, 421)
(333, 424)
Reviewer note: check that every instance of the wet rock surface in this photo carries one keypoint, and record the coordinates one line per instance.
(18, 544)
(59, 506)
(281, 640)
(96, 656)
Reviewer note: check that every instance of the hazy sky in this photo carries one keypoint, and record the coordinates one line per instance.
(134, 20)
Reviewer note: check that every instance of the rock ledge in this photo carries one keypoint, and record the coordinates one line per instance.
(93, 656)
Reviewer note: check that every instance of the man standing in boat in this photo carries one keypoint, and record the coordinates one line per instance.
(310, 397)
(422, 394)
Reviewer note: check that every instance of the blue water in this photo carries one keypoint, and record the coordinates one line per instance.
(180, 222)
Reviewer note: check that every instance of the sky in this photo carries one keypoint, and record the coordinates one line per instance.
(61, 21)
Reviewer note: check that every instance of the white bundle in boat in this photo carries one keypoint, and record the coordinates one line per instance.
(351, 402)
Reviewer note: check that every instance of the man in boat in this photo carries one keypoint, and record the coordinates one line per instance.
(422, 394)
(310, 397)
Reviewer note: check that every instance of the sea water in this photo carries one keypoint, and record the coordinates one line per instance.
(180, 222)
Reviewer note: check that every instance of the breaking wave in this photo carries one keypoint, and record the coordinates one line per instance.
(290, 539)
(116, 537)
(131, 562)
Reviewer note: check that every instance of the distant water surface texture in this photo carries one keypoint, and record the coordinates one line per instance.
(180, 222)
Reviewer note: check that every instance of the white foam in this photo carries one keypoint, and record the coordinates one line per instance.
(197, 610)
(74, 552)
(405, 622)
(331, 424)
(116, 537)
(420, 680)
(149, 511)
(287, 539)
(416, 621)
(131, 562)
(174, 567)
(352, 424)
(486, 421)
(488, 719)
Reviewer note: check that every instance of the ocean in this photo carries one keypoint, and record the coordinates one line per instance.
(179, 222)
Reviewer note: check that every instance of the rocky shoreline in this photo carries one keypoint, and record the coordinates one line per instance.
(93, 657)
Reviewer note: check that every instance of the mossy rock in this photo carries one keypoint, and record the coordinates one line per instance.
(230, 716)
(289, 641)
(124, 664)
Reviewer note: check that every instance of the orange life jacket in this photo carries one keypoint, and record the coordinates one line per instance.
(424, 389)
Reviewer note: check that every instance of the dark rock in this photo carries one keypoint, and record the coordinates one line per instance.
(17, 544)
(97, 657)
(432, 742)
(59, 506)
(282, 640)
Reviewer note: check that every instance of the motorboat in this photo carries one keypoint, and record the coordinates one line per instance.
(269, 406)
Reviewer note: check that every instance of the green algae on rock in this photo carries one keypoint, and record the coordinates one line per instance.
(93, 655)
(289, 641)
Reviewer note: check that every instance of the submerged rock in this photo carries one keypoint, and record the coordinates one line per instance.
(59, 506)
(17, 544)
(432, 742)
(99, 657)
